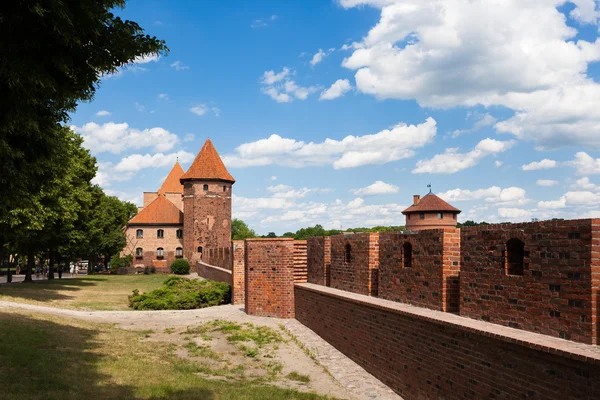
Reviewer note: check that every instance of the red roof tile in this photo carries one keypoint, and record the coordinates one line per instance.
(208, 166)
(160, 211)
(430, 202)
(172, 183)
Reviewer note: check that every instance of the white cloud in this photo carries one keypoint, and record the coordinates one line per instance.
(263, 22)
(494, 194)
(202, 109)
(299, 92)
(273, 178)
(139, 107)
(147, 58)
(585, 184)
(337, 89)
(102, 113)
(137, 162)
(319, 56)
(585, 164)
(572, 199)
(546, 182)
(482, 121)
(356, 203)
(451, 161)
(514, 214)
(288, 192)
(163, 96)
(179, 66)
(116, 138)
(276, 95)
(385, 146)
(522, 56)
(271, 77)
(536, 165)
(379, 187)
(498, 164)
(189, 137)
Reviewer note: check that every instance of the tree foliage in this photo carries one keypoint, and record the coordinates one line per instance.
(240, 230)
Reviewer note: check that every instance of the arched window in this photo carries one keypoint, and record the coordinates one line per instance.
(160, 234)
(199, 249)
(422, 215)
(205, 188)
(407, 255)
(515, 257)
(160, 252)
(139, 252)
(179, 252)
(224, 188)
(348, 254)
(440, 215)
(179, 233)
(139, 233)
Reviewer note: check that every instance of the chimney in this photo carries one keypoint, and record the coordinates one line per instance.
(416, 199)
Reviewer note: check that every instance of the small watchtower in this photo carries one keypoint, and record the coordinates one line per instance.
(207, 189)
(430, 212)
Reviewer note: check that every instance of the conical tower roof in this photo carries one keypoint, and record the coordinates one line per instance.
(207, 166)
(172, 183)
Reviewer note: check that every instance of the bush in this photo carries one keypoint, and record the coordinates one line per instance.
(182, 294)
(180, 267)
(150, 270)
(120, 264)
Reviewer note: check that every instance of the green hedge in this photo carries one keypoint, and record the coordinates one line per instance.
(182, 294)
(180, 267)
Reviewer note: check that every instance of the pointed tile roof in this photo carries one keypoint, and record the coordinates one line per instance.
(160, 212)
(208, 166)
(172, 183)
(431, 202)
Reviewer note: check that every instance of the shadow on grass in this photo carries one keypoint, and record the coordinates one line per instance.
(47, 290)
(42, 359)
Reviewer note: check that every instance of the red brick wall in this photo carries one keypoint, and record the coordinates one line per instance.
(359, 274)
(206, 217)
(554, 294)
(214, 273)
(300, 263)
(270, 277)
(150, 243)
(426, 354)
(221, 257)
(432, 279)
(319, 259)
(238, 273)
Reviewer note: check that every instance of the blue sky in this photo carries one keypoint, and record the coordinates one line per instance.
(337, 112)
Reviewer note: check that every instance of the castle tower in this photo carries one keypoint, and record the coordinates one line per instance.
(207, 187)
(430, 212)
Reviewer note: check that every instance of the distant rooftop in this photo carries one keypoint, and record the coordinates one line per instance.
(430, 202)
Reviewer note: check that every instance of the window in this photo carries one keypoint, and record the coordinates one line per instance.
(348, 254)
(422, 216)
(139, 233)
(160, 252)
(205, 188)
(514, 257)
(200, 249)
(407, 216)
(160, 234)
(407, 255)
(224, 188)
(139, 252)
(179, 233)
(179, 252)
(440, 215)
(453, 216)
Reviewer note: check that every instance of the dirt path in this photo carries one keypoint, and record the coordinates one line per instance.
(346, 379)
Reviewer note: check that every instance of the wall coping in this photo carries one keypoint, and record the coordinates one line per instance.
(269, 240)
(536, 341)
(215, 267)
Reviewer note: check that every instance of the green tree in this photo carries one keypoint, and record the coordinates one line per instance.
(54, 55)
(240, 230)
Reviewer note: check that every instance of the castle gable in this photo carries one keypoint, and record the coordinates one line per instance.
(160, 212)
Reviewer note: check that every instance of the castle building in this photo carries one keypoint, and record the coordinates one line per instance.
(191, 211)
(430, 212)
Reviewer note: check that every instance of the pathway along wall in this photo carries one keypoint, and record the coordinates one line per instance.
(427, 354)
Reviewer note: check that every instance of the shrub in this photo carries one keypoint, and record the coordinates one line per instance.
(179, 293)
(119, 263)
(149, 270)
(180, 267)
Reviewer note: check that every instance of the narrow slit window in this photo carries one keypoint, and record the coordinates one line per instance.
(514, 257)
(407, 255)
(348, 253)
(205, 188)
(440, 215)
(422, 216)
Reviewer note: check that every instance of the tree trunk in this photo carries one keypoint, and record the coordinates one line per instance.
(30, 266)
(51, 264)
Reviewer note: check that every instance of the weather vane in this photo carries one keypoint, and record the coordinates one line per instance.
(429, 186)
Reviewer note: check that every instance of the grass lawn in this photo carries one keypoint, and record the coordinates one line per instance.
(49, 357)
(94, 292)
